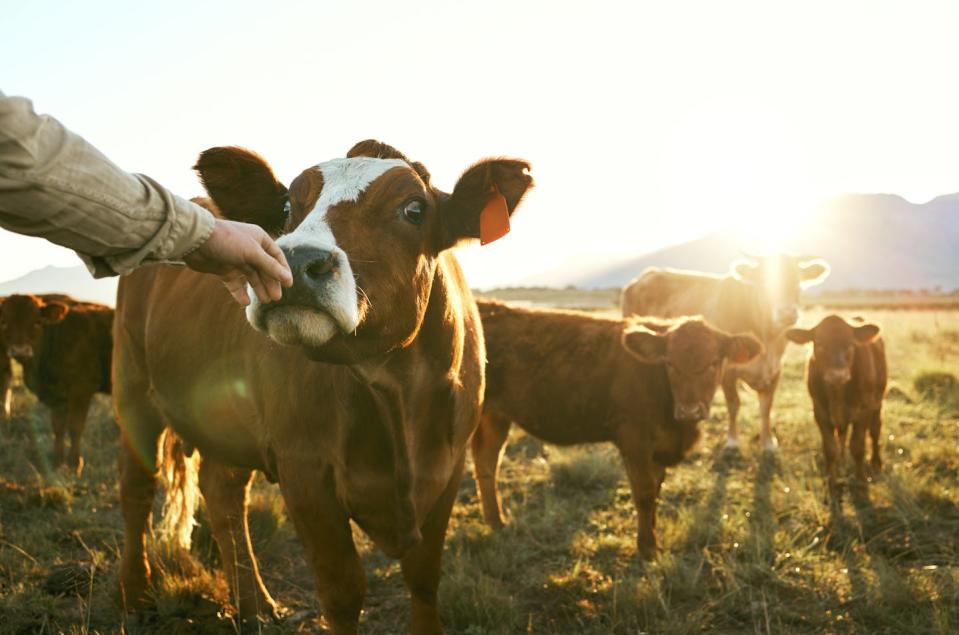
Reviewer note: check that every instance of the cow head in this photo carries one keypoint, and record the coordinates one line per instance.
(834, 346)
(777, 280)
(22, 318)
(363, 236)
(694, 354)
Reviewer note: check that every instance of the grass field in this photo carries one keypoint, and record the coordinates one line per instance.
(749, 542)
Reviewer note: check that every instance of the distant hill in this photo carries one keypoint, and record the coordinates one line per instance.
(75, 281)
(872, 241)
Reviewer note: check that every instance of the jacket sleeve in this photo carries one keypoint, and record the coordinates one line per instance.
(55, 185)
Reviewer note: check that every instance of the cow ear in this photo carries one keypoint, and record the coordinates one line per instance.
(483, 200)
(243, 186)
(866, 333)
(813, 272)
(53, 312)
(647, 346)
(742, 348)
(799, 336)
(744, 270)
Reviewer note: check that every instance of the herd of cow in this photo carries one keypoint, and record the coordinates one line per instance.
(360, 390)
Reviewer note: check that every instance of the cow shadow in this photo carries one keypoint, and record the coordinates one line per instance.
(704, 525)
(759, 540)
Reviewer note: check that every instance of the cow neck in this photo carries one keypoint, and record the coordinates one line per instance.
(428, 365)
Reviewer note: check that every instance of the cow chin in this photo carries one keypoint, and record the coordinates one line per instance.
(299, 326)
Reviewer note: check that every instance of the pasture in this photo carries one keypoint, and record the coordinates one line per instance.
(750, 543)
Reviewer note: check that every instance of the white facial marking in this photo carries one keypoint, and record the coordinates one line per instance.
(343, 180)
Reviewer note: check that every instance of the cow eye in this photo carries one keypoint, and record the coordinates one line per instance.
(413, 211)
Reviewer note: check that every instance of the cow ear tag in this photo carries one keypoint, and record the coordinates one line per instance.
(494, 219)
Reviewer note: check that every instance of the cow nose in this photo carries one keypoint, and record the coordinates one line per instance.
(310, 266)
(690, 412)
(839, 376)
(788, 316)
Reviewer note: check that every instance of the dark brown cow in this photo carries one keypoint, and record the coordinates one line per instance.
(761, 298)
(846, 377)
(571, 378)
(64, 347)
(365, 410)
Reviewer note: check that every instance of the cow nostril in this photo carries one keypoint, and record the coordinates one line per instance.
(321, 266)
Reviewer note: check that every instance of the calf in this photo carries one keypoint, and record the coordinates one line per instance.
(64, 347)
(846, 377)
(357, 392)
(571, 378)
(758, 296)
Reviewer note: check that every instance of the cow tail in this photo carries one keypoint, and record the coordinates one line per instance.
(179, 470)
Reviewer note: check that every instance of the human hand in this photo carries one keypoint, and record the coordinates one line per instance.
(241, 254)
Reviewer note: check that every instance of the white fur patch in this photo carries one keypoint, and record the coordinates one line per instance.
(343, 180)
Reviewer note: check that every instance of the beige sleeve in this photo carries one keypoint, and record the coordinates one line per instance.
(55, 185)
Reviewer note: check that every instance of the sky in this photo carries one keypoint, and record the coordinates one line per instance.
(646, 123)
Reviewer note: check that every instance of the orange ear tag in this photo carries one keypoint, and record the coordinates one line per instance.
(494, 219)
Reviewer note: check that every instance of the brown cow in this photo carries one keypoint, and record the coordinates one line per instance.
(571, 378)
(64, 347)
(357, 392)
(846, 377)
(760, 298)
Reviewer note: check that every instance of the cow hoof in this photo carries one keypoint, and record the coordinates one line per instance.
(732, 445)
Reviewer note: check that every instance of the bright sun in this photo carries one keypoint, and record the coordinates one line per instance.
(740, 169)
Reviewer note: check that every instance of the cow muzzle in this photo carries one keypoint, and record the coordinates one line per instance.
(786, 316)
(690, 411)
(20, 352)
(321, 302)
(837, 376)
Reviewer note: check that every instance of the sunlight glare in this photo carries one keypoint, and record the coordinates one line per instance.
(739, 169)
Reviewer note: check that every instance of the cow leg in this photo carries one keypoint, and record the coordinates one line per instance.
(421, 564)
(857, 447)
(137, 487)
(830, 445)
(227, 492)
(140, 428)
(323, 527)
(58, 420)
(645, 480)
(731, 393)
(77, 409)
(488, 444)
(875, 429)
(767, 439)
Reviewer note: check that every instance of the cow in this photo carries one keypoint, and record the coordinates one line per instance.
(758, 296)
(570, 378)
(846, 376)
(64, 347)
(357, 392)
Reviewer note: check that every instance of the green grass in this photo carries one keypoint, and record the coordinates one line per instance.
(750, 544)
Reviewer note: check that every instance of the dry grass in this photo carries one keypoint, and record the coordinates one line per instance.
(750, 543)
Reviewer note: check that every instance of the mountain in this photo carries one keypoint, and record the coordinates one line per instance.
(872, 241)
(74, 281)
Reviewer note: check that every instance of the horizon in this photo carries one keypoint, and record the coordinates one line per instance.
(685, 129)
